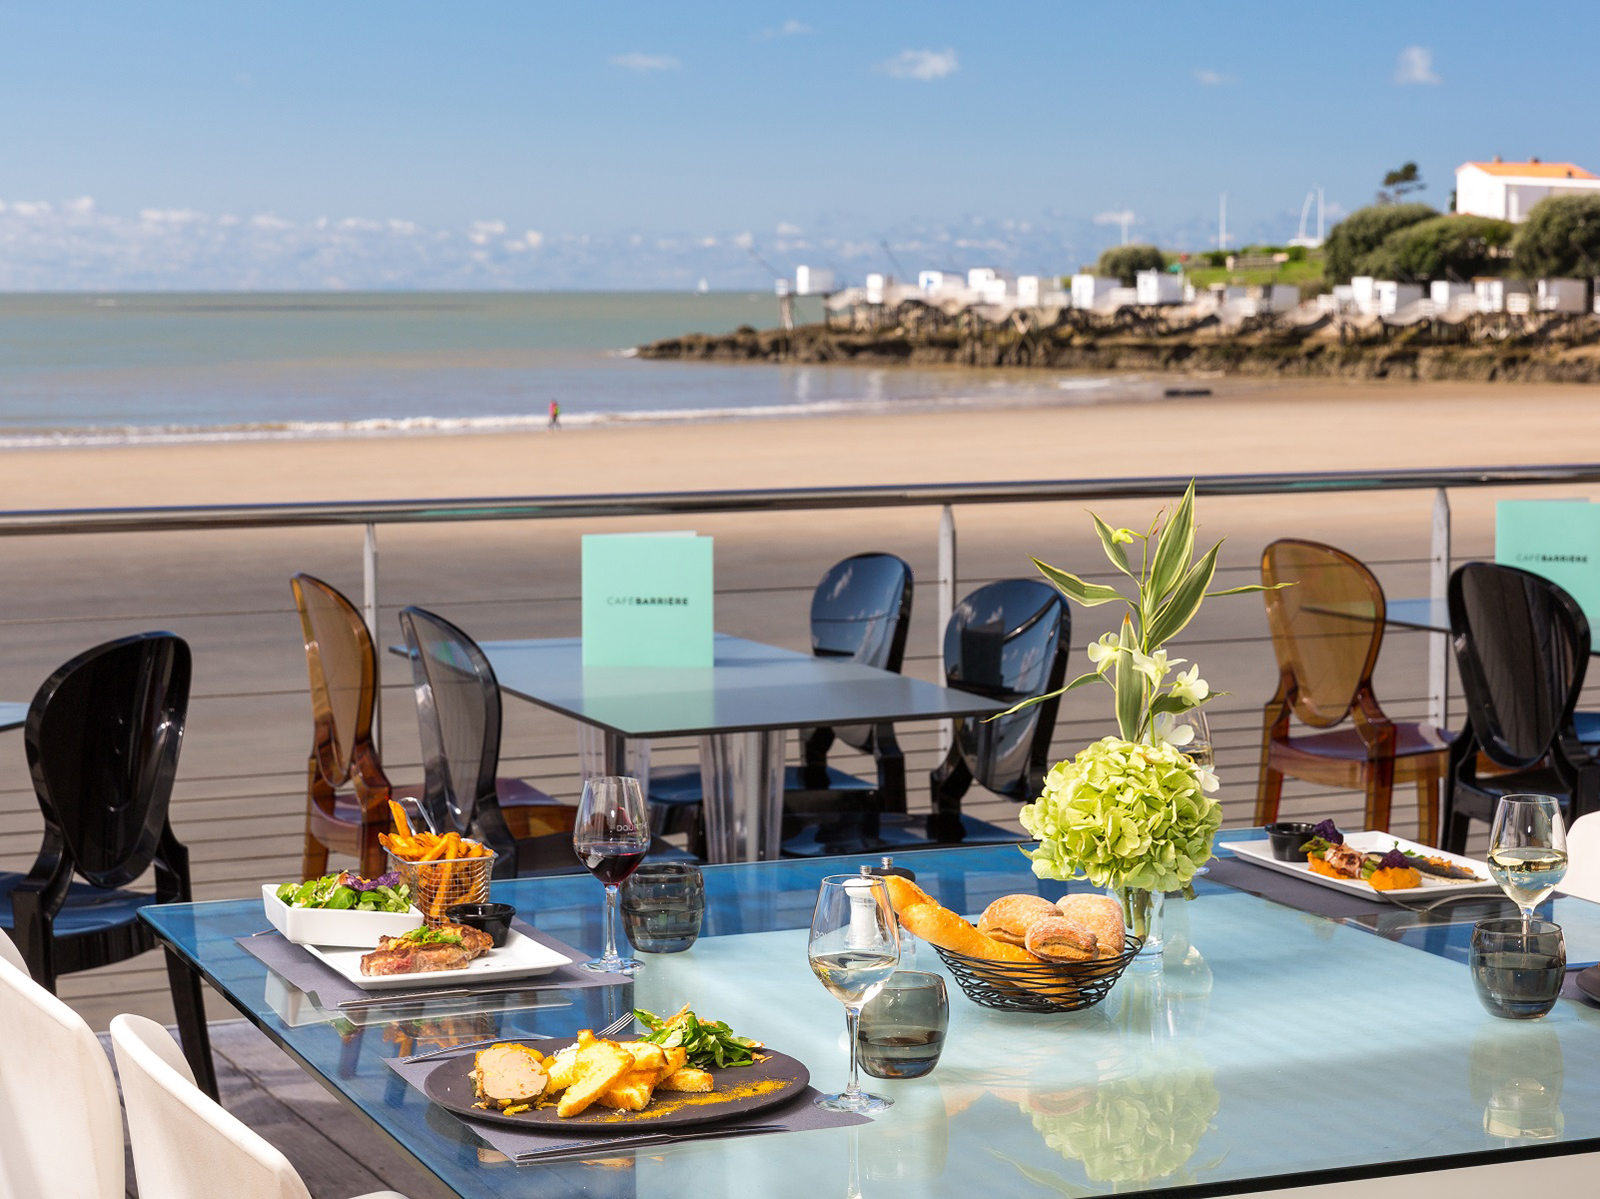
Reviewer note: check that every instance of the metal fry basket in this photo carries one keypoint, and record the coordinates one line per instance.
(437, 885)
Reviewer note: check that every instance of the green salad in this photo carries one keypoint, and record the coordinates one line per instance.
(348, 892)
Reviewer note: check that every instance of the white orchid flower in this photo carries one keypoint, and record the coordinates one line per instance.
(1154, 666)
(1166, 733)
(1207, 778)
(1104, 652)
(1190, 686)
(1122, 537)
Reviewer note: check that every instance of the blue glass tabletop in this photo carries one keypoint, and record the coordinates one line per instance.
(1274, 1045)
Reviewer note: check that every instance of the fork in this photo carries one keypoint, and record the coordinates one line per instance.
(616, 1026)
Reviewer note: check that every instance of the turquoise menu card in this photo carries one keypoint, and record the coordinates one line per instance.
(1559, 539)
(647, 599)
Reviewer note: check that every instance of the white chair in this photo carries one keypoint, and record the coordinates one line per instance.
(1583, 858)
(184, 1143)
(60, 1126)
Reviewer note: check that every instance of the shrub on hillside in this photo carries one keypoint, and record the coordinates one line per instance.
(1123, 262)
(1441, 247)
(1364, 231)
(1560, 239)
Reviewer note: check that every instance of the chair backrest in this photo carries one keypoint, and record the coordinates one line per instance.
(1522, 646)
(1327, 626)
(185, 1145)
(60, 1125)
(1583, 858)
(1008, 641)
(344, 674)
(458, 717)
(861, 610)
(102, 740)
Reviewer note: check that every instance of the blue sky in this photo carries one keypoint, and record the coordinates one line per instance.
(539, 145)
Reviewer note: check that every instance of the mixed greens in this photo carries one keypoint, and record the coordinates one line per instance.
(431, 936)
(347, 892)
(708, 1042)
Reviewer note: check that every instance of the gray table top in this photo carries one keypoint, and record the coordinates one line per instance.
(12, 716)
(750, 687)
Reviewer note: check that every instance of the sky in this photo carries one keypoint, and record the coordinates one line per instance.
(292, 145)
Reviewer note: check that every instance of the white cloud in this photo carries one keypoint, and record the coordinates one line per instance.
(31, 207)
(645, 62)
(82, 206)
(785, 229)
(925, 65)
(1213, 78)
(533, 238)
(790, 28)
(743, 240)
(265, 220)
(707, 242)
(1415, 65)
(482, 231)
(1115, 217)
(403, 228)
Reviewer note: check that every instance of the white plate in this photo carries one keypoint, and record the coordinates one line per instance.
(335, 926)
(1260, 852)
(519, 957)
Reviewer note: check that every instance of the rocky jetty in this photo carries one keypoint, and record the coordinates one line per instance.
(1537, 349)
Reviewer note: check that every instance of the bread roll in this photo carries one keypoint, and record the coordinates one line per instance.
(1101, 915)
(1009, 917)
(1059, 939)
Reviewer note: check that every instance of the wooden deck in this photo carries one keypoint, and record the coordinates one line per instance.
(336, 1153)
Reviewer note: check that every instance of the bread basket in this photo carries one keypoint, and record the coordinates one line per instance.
(1038, 986)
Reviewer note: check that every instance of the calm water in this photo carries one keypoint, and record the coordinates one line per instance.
(85, 369)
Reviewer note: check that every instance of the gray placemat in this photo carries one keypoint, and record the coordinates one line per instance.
(800, 1114)
(329, 988)
(1243, 875)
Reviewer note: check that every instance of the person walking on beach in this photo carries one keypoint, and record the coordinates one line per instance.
(555, 415)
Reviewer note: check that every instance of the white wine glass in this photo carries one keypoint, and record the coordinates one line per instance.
(611, 835)
(1528, 849)
(1197, 742)
(854, 948)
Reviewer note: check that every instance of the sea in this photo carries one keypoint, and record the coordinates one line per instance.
(81, 369)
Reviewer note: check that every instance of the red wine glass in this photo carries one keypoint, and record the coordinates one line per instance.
(610, 836)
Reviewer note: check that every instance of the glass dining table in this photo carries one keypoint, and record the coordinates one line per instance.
(1273, 1047)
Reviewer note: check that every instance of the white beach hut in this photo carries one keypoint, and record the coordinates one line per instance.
(1088, 290)
(1158, 287)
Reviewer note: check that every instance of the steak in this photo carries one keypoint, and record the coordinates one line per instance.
(410, 954)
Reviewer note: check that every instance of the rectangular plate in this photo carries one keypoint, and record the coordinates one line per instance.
(335, 926)
(519, 957)
(1260, 852)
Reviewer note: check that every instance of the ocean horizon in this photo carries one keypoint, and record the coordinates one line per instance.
(81, 368)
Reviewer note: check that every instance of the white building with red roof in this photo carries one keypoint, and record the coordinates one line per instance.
(1507, 190)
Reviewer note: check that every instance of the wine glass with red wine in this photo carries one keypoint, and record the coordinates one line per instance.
(610, 836)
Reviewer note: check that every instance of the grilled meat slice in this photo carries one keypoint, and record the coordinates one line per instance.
(1345, 860)
(448, 947)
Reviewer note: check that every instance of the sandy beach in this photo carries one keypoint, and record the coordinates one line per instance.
(240, 798)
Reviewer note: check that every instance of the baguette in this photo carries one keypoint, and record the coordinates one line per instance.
(940, 926)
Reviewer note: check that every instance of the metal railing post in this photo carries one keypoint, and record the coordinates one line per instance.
(1438, 586)
(369, 606)
(947, 604)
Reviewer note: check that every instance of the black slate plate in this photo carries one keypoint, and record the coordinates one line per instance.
(1588, 982)
(450, 1086)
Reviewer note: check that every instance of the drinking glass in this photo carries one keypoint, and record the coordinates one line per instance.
(610, 836)
(1198, 744)
(902, 1027)
(854, 948)
(662, 906)
(1518, 966)
(1528, 849)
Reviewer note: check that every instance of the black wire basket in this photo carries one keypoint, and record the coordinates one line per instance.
(1039, 986)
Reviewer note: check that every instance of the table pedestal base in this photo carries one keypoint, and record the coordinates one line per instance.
(741, 777)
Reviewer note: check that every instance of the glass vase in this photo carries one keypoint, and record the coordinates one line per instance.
(1141, 913)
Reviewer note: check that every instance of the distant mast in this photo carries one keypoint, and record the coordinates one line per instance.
(702, 287)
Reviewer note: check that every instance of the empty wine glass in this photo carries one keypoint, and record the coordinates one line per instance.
(854, 948)
(1528, 849)
(610, 836)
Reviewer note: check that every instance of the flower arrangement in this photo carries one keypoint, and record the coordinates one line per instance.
(1133, 812)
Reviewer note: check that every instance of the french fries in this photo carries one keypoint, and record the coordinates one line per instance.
(442, 870)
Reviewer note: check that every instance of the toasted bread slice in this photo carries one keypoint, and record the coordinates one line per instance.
(600, 1065)
(562, 1068)
(648, 1059)
(686, 1078)
(631, 1092)
(677, 1059)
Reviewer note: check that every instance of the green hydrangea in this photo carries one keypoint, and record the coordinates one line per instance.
(1124, 814)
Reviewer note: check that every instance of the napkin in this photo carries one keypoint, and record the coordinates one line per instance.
(799, 1114)
(330, 988)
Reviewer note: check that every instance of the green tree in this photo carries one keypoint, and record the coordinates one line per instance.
(1123, 262)
(1560, 239)
(1441, 247)
(1362, 232)
(1401, 183)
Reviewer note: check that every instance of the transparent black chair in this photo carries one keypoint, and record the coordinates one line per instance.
(1522, 647)
(861, 611)
(458, 720)
(102, 740)
(1007, 641)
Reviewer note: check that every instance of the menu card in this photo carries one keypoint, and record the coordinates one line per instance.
(647, 600)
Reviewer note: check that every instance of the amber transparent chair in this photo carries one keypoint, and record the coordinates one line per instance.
(344, 687)
(1327, 629)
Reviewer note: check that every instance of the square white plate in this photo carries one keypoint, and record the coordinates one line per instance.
(335, 926)
(519, 957)
(1260, 852)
